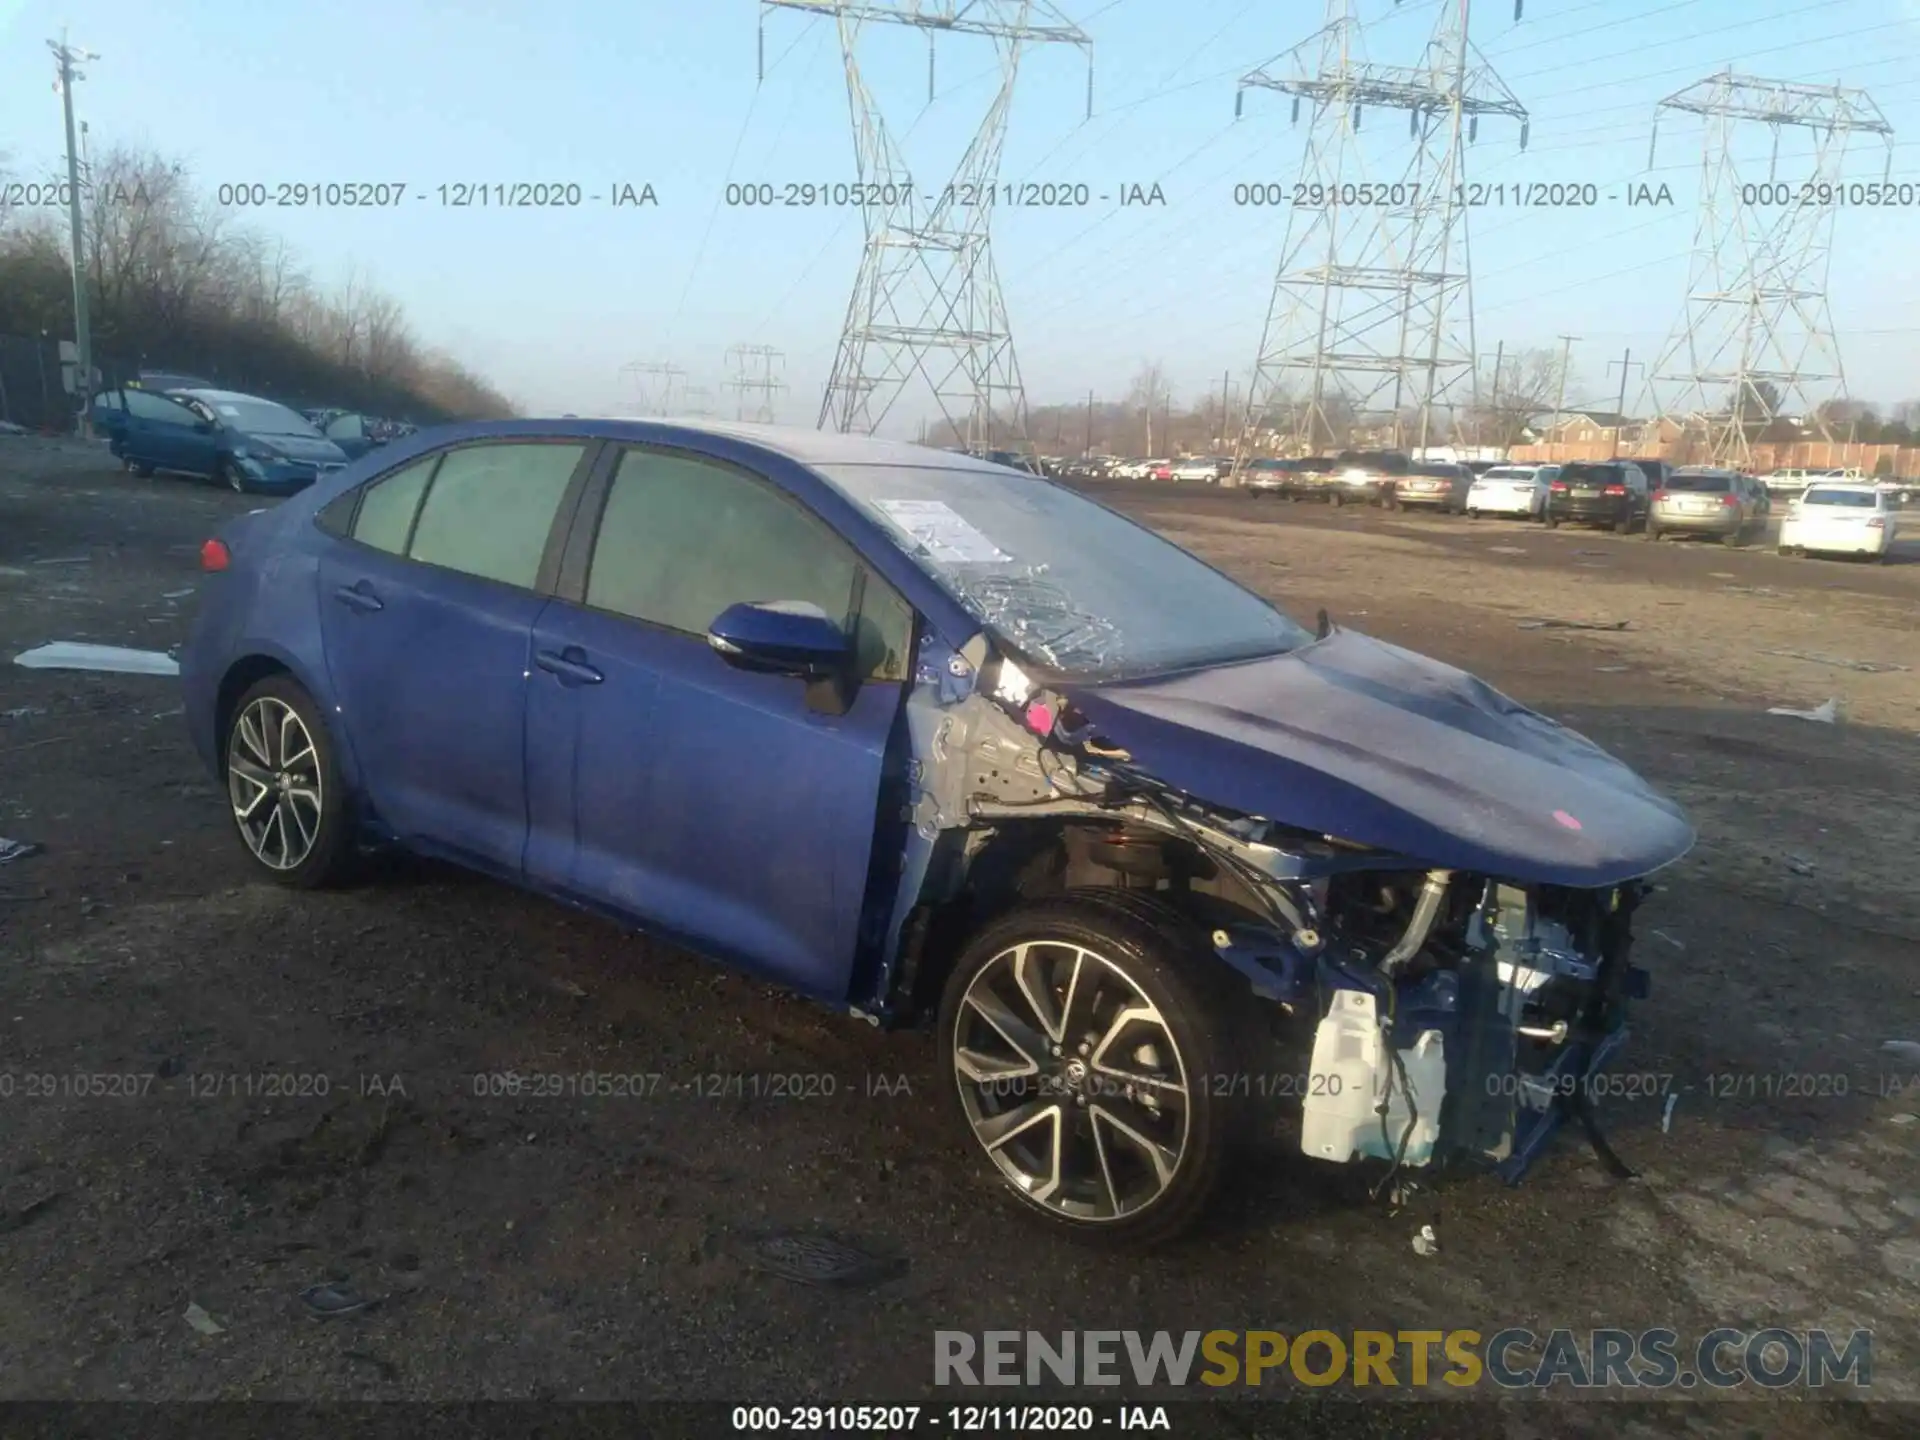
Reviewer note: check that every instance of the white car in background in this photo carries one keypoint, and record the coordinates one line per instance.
(1511, 490)
(1839, 518)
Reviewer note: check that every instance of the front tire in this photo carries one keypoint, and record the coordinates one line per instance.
(284, 790)
(1084, 1034)
(228, 474)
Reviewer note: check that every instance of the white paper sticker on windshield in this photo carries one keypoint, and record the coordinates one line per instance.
(946, 535)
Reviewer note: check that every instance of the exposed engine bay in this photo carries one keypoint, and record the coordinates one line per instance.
(1432, 1015)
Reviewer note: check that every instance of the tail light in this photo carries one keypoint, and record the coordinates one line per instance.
(1614, 490)
(1659, 497)
(214, 555)
(1729, 500)
(1876, 523)
(1558, 486)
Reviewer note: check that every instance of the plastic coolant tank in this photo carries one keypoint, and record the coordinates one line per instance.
(1353, 1072)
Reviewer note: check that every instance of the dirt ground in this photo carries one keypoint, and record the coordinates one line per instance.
(603, 1248)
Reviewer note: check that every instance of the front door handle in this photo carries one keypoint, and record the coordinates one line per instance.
(358, 596)
(568, 666)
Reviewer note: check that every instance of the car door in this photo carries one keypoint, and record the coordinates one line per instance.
(706, 802)
(349, 432)
(157, 432)
(427, 609)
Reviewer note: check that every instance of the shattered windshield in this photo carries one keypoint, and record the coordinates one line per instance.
(1073, 587)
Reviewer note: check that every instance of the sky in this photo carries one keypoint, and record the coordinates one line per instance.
(550, 305)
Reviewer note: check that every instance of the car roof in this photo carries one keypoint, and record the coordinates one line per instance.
(199, 393)
(1857, 487)
(792, 442)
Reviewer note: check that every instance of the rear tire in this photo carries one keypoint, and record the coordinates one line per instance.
(1551, 523)
(141, 468)
(1083, 1034)
(1654, 532)
(284, 791)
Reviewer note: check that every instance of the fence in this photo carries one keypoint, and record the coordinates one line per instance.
(1902, 460)
(33, 383)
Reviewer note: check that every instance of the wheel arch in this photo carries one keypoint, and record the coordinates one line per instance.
(991, 871)
(257, 663)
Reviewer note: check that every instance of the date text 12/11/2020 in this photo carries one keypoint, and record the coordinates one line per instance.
(1407, 195)
(448, 195)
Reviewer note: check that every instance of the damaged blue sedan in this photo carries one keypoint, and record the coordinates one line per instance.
(942, 743)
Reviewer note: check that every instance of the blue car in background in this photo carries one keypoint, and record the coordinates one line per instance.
(942, 743)
(237, 440)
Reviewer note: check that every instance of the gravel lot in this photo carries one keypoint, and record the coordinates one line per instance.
(601, 1249)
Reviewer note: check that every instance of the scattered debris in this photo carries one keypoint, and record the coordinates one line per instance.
(1751, 589)
(1905, 1049)
(201, 1320)
(1426, 1242)
(1905, 1117)
(30, 1212)
(1666, 1115)
(1662, 935)
(23, 712)
(1721, 575)
(1575, 624)
(330, 1301)
(1589, 552)
(1827, 712)
(564, 987)
(1865, 667)
(67, 560)
(1799, 866)
(1613, 669)
(17, 849)
(1505, 550)
(113, 659)
(822, 1260)
(177, 594)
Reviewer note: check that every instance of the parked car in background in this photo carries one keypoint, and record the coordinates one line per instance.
(1366, 477)
(681, 674)
(1839, 518)
(353, 432)
(1516, 490)
(241, 441)
(1656, 470)
(1762, 501)
(1266, 476)
(1700, 500)
(1437, 484)
(1160, 470)
(1199, 469)
(1598, 492)
(1897, 488)
(1792, 480)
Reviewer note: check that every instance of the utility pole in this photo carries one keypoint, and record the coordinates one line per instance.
(1560, 392)
(1089, 424)
(1493, 400)
(67, 57)
(1626, 363)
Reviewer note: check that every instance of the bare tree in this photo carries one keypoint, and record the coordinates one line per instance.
(1150, 394)
(1530, 383)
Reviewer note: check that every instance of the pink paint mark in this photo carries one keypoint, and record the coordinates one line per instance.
(1040, 717)
(1566, 819)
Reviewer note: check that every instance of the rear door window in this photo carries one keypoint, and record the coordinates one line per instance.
(491, 507)
(387, 507)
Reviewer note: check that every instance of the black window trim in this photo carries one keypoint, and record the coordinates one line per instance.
(546, 578)
(590, 509)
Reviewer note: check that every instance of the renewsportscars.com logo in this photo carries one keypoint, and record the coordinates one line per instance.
(1512, 1359)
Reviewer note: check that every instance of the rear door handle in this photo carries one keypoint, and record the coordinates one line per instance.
(358, 596)
(568, 666)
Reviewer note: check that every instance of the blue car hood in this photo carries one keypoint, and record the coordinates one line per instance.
(1353, 737)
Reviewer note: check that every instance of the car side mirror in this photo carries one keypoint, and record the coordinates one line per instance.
(788, 637)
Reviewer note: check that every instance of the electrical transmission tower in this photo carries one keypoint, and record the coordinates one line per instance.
(654, 382)
(753, 374)
(1756, 342)
(927, 299)
(696, 402)
(1372, 306)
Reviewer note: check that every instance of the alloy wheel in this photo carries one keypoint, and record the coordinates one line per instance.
(1072, 1080)
(274, 783)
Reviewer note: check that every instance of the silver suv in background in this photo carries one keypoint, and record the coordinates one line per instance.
(1700, 500)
